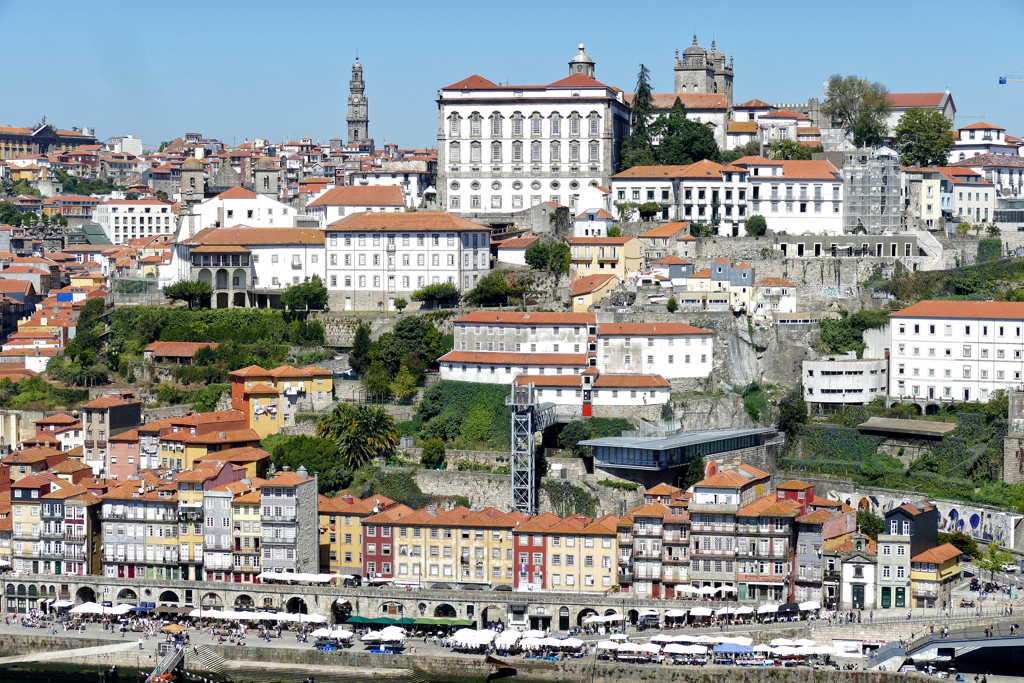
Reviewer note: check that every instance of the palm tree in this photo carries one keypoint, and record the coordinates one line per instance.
(362, 433)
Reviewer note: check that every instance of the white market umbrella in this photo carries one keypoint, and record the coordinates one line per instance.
(613, 617)
(708, 590)
(726, 589)
(776, 642)
(371, 637)
(738, 640)
(744, 610)
(804, 642)
(675, 613)
(763, 648)
(649, 613)
(534, 633)
(627, 647)
(650, 648)
(594, 619)
(607, 645)
(809, 606)
(683, 639)
(767, 609)
(507, 638)
(661, 638)
(574, 643)
(675, 649)
(700, 612)
(687, 589)
(619, 637)
(704, 639)
(724, 611)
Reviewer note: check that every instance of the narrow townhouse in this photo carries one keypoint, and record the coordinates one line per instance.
(530, 550)
(341, 521)
(246, 534)
(717, 501)
(289, 521)
(140, 531)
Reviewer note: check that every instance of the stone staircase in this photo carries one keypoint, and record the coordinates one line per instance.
(205, 659)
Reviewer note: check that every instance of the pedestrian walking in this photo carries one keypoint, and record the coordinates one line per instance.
(140, 643)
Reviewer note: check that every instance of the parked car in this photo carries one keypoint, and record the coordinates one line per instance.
(1009, 567)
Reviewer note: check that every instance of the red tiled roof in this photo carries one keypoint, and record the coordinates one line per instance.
(549, 380)
(600, 213)
(242, 235)
(237, 193)
(915, 99)
(630, 381)
(516, 359)
(361, 195)
(938, 555)
(178, 349)
(648, 329)
(517, 318)
(732, 478)
(773, 282)
(473, 82)
(991, 310)
(689, 100)
(666, 230)
(673, 261)
(109, 400)
(742, 127)
(753, 104)
(590, 283)
(417, 220)
(517, 242)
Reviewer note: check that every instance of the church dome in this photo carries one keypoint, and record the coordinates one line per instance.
(694, 50)
(265, 164)
(191, 164)
(581, 57)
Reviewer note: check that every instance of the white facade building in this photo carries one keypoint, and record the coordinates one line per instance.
(374, 258)
(127, 219)
(1004, 171)
(239, 206)
(337, 203)
(414, 176)
(773, 295)
(797, 197)
(504, 148)
(703, 192)
(956, 350)
(967, 196)
(981, 138)
(834, 381)
(513, 250)
(672, 350)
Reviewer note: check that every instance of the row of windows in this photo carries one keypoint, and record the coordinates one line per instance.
(421, 281)
(476, 201)
(536, 152)
(947, 330)
(948, 373)
(474, 239)
(519, 123)
(948, 352)
(468, 259)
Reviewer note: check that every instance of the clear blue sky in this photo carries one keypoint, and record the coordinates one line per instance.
(238, 70)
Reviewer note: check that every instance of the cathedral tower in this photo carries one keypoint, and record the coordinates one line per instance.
(358, 108)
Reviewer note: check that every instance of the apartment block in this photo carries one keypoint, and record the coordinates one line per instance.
(291, 535)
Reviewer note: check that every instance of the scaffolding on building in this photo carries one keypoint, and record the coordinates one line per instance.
(528, 417)
(871, 187)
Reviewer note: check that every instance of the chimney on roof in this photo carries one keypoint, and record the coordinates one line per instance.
(223, 435)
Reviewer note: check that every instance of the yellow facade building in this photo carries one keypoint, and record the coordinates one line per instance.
(619, 256)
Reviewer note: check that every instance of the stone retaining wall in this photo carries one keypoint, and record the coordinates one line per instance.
(474, 668)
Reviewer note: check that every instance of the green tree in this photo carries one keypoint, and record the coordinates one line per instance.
(683, 141)
(638, 148)
(89, 316)
(193, 292)
(358, 355)
(702, 230)
(493, 288)
(361, 433)
(672, 305)
(756, 225)
(317, 454)
(627, 210)
(377, 379)
(404, 385)
(649, 210)
(436, 293)
(561, 259)
(310, 295)
(400, 304)
(572, 434)
(787, 150)
(962, 229)
(615, 231)
(694, 472)
(433, 454)
(923, 138)
(9, 214)
(993, 559)
(538, 255)
(792, 412)
(964, 543)
(859, 107)
(751, 149)
(870, 524)
(161, 195)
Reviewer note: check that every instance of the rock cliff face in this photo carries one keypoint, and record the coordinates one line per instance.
(713, 412)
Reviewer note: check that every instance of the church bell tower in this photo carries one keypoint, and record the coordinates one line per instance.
(358, 107)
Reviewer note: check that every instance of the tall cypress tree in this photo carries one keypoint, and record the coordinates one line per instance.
(638, 150)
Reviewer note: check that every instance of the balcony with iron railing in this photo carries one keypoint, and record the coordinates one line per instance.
(639, 530)
(706, 552)
(625, 539)
(279, 518)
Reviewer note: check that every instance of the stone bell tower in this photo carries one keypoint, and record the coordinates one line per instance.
(358, 107)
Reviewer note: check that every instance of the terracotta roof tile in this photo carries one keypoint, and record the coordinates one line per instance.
(648, 329)
(590, 283)
(516, 359)
(938, 555)
(990, 310)
(666, 230)
(417, 220)
(516, 318)
(360, 195)
(630, 381)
